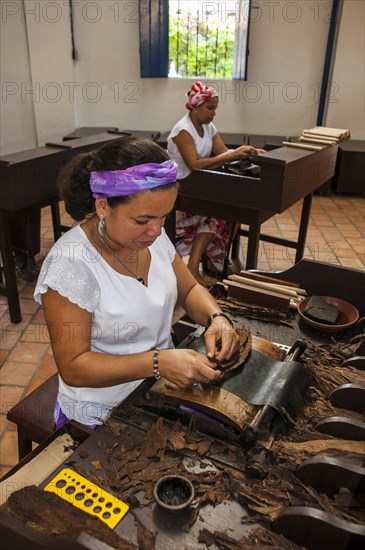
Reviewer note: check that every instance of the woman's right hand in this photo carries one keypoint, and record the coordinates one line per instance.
(184, 367)
(244, 151)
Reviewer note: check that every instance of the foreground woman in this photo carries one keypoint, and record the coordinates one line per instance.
(109, 286)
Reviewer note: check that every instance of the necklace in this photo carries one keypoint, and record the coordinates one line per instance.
(135, 275)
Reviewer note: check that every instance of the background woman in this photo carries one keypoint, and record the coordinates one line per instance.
(109, 286)
(194, 144)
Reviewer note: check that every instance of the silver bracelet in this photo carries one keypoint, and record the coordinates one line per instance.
(156, 372)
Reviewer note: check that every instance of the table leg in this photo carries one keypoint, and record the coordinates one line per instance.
(11, 289)
(56, 220)
(253, 242)
(303, 228)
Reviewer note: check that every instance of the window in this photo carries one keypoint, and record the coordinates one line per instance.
(194, 38)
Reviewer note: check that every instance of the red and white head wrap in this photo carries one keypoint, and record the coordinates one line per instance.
(199, 94)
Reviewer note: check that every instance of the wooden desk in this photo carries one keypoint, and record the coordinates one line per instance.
(287, 176)
(28, 181)
(350, 167)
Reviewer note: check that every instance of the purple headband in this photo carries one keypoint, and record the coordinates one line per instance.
(120, 183)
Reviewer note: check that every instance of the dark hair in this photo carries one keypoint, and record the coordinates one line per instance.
(117, 154)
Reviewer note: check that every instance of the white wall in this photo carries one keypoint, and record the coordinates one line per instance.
(51, 67)
(347, 100)
(17, 128)
(287, 44)
(103, 88)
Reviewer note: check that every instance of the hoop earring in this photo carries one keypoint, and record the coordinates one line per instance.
(101, 225)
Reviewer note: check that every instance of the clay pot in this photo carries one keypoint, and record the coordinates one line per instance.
(174, 492)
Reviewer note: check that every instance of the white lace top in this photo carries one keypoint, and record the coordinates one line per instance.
(127, 317)
(203, 144)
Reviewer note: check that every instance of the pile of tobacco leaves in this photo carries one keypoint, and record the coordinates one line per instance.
(262, 480)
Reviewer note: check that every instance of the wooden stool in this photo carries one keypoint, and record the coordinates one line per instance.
(33, 415)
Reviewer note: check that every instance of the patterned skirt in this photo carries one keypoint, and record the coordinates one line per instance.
(189, 225)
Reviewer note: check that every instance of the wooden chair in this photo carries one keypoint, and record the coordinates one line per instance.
(33, 415)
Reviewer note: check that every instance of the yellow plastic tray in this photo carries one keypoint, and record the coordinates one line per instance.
(82, 493)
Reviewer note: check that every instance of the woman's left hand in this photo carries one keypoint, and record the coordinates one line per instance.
(253, 150)
(220, 330)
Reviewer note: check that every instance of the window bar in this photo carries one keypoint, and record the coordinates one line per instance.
(187, 45)
(216, 50)
(225, 53)
(206, 49)
(178, 38)
(197, 45)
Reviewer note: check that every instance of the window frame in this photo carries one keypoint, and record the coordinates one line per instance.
(154, 41)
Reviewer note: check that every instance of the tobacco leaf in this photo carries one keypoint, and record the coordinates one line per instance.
(96, 464)
(265, 314)
(52, 514)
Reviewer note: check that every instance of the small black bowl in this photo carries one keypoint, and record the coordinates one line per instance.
(174, 492)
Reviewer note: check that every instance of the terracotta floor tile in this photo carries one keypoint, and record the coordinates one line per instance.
(36, 382)
(30, 353)
(16, 374)
(3, 423)
(48, 367)
(27, 291)
(9, 335)
(349, 262)
(10, 396)
(35, 332)
(28, 305)
(4, 470)
(9, 448)
(39, 317)
(3, 356)
(353, 235)
(345, 252)
(5, 320)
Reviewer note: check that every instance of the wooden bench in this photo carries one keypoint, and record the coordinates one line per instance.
(33, 415)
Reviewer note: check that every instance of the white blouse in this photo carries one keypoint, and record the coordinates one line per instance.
(204, 145)
(127, 317)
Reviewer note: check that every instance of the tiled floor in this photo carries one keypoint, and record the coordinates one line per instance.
(336, 235)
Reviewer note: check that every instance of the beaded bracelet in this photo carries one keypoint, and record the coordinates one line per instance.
(156, 372)
(219, 314)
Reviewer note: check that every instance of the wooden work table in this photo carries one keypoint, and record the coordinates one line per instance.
(288, 174)
(238, 492)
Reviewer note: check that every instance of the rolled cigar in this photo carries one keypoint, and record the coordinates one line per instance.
(266, 286)
(329, 131)
(303, 146)
(318, 140)
(273, 280)
(319, 136)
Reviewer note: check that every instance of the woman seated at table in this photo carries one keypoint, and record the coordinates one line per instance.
(195, 144)
(109, 286)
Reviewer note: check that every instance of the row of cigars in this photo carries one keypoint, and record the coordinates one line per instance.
(318, 137)
(264, 290)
